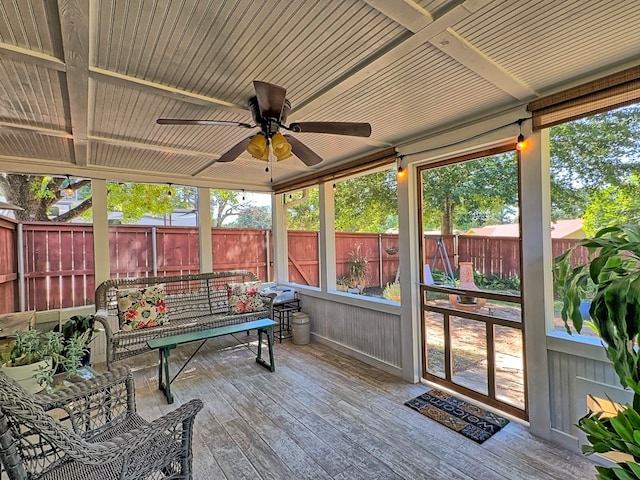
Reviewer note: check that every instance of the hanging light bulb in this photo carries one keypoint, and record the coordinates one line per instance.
(169, 192)
(520, 143)
(334, 186)
(401, 173)
(68, 190)
(243, 197)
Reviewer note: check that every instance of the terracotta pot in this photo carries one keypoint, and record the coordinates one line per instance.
(25, 375)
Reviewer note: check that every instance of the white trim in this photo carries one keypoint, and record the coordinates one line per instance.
(361, 301)
(204, 230)
(579, 346)
(102, 263)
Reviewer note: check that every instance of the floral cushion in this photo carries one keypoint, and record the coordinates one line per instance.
(244, 297)
(142, 307)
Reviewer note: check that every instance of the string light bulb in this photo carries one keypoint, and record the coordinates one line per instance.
(243, 196)
(169, 192)
(401, 173)
(68, 190)
(520, 141)
(334, 186)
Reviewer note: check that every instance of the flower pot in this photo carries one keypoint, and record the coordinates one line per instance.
(25, 375)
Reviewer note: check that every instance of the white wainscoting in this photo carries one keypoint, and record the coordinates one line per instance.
(370, 334)
(573, 365)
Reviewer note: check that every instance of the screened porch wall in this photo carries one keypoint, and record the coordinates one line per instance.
(369, 333)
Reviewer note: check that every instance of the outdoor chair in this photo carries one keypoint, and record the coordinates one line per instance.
(90, 429)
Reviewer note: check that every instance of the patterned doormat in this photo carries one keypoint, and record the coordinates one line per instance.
(470, 420)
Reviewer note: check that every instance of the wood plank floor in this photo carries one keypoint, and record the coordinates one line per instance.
(324, 415)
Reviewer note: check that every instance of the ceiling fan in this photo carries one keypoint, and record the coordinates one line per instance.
(269, 109)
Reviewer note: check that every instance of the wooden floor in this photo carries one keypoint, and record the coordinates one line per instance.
(324, 415)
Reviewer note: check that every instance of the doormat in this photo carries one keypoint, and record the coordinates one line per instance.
(470, 420)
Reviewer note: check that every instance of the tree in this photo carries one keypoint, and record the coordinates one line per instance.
(469, 192)
(367, 204)
(253, 217)
(363, 204)
(613, 205)
(37, 194)
(591, 154)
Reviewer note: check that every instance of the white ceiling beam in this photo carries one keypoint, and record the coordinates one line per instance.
(153, 147)
(23, 55)
(437, 26)
(39, 130)
(466, 54)
(404, 12)
(99, 74)
(74, 26)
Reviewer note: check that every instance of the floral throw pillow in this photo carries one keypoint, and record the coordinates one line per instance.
(142, 307)
(244, 297)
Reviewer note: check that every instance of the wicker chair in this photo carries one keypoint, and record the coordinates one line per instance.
(91, 430)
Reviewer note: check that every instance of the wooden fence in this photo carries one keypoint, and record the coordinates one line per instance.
(59, 263)
(8, 266)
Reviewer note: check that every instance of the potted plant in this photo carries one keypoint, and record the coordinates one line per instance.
(79, 326)
(392, 292)
(34, 356)
(357, 268)
(342, 284)
(613, 266)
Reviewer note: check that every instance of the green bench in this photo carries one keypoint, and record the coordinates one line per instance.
(166, 344)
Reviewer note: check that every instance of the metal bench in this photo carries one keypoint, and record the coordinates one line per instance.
(166, 344)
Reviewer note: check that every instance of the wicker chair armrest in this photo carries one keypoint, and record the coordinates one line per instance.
(268, 300)
(104, 452)
(167, 424)
(102, 316)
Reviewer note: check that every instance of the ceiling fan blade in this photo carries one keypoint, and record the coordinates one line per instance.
(304, 153)
(229, 156)
(220, 123)
(235, 151)
(337, 128)
(270, 99)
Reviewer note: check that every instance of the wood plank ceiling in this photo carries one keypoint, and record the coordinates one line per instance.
(83, 82)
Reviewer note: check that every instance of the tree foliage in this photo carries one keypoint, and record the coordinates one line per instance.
(590, 155)
(469, 193)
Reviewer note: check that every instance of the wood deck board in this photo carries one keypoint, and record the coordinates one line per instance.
(325, 415)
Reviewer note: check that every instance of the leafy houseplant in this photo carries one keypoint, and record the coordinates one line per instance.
(613, 267)
(43, 352)
(78, 326)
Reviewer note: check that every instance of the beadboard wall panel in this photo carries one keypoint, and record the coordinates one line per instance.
(371, 335)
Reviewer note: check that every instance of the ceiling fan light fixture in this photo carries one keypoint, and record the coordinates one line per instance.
(281, 148)
(257, 147)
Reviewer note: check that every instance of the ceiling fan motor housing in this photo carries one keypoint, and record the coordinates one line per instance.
(269, 126)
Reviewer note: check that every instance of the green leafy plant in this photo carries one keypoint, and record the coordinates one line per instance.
(613, 266)
(357, 268)
(33, 346)
(392, 292)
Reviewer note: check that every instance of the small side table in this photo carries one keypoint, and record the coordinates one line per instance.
(282, 312)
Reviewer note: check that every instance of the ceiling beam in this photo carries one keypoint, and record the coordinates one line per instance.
(23, 55)
(366, 70)
(100, 74)
(39, 130)
(74, 26)
(466, 54)
(406, 13)
(153, 147)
